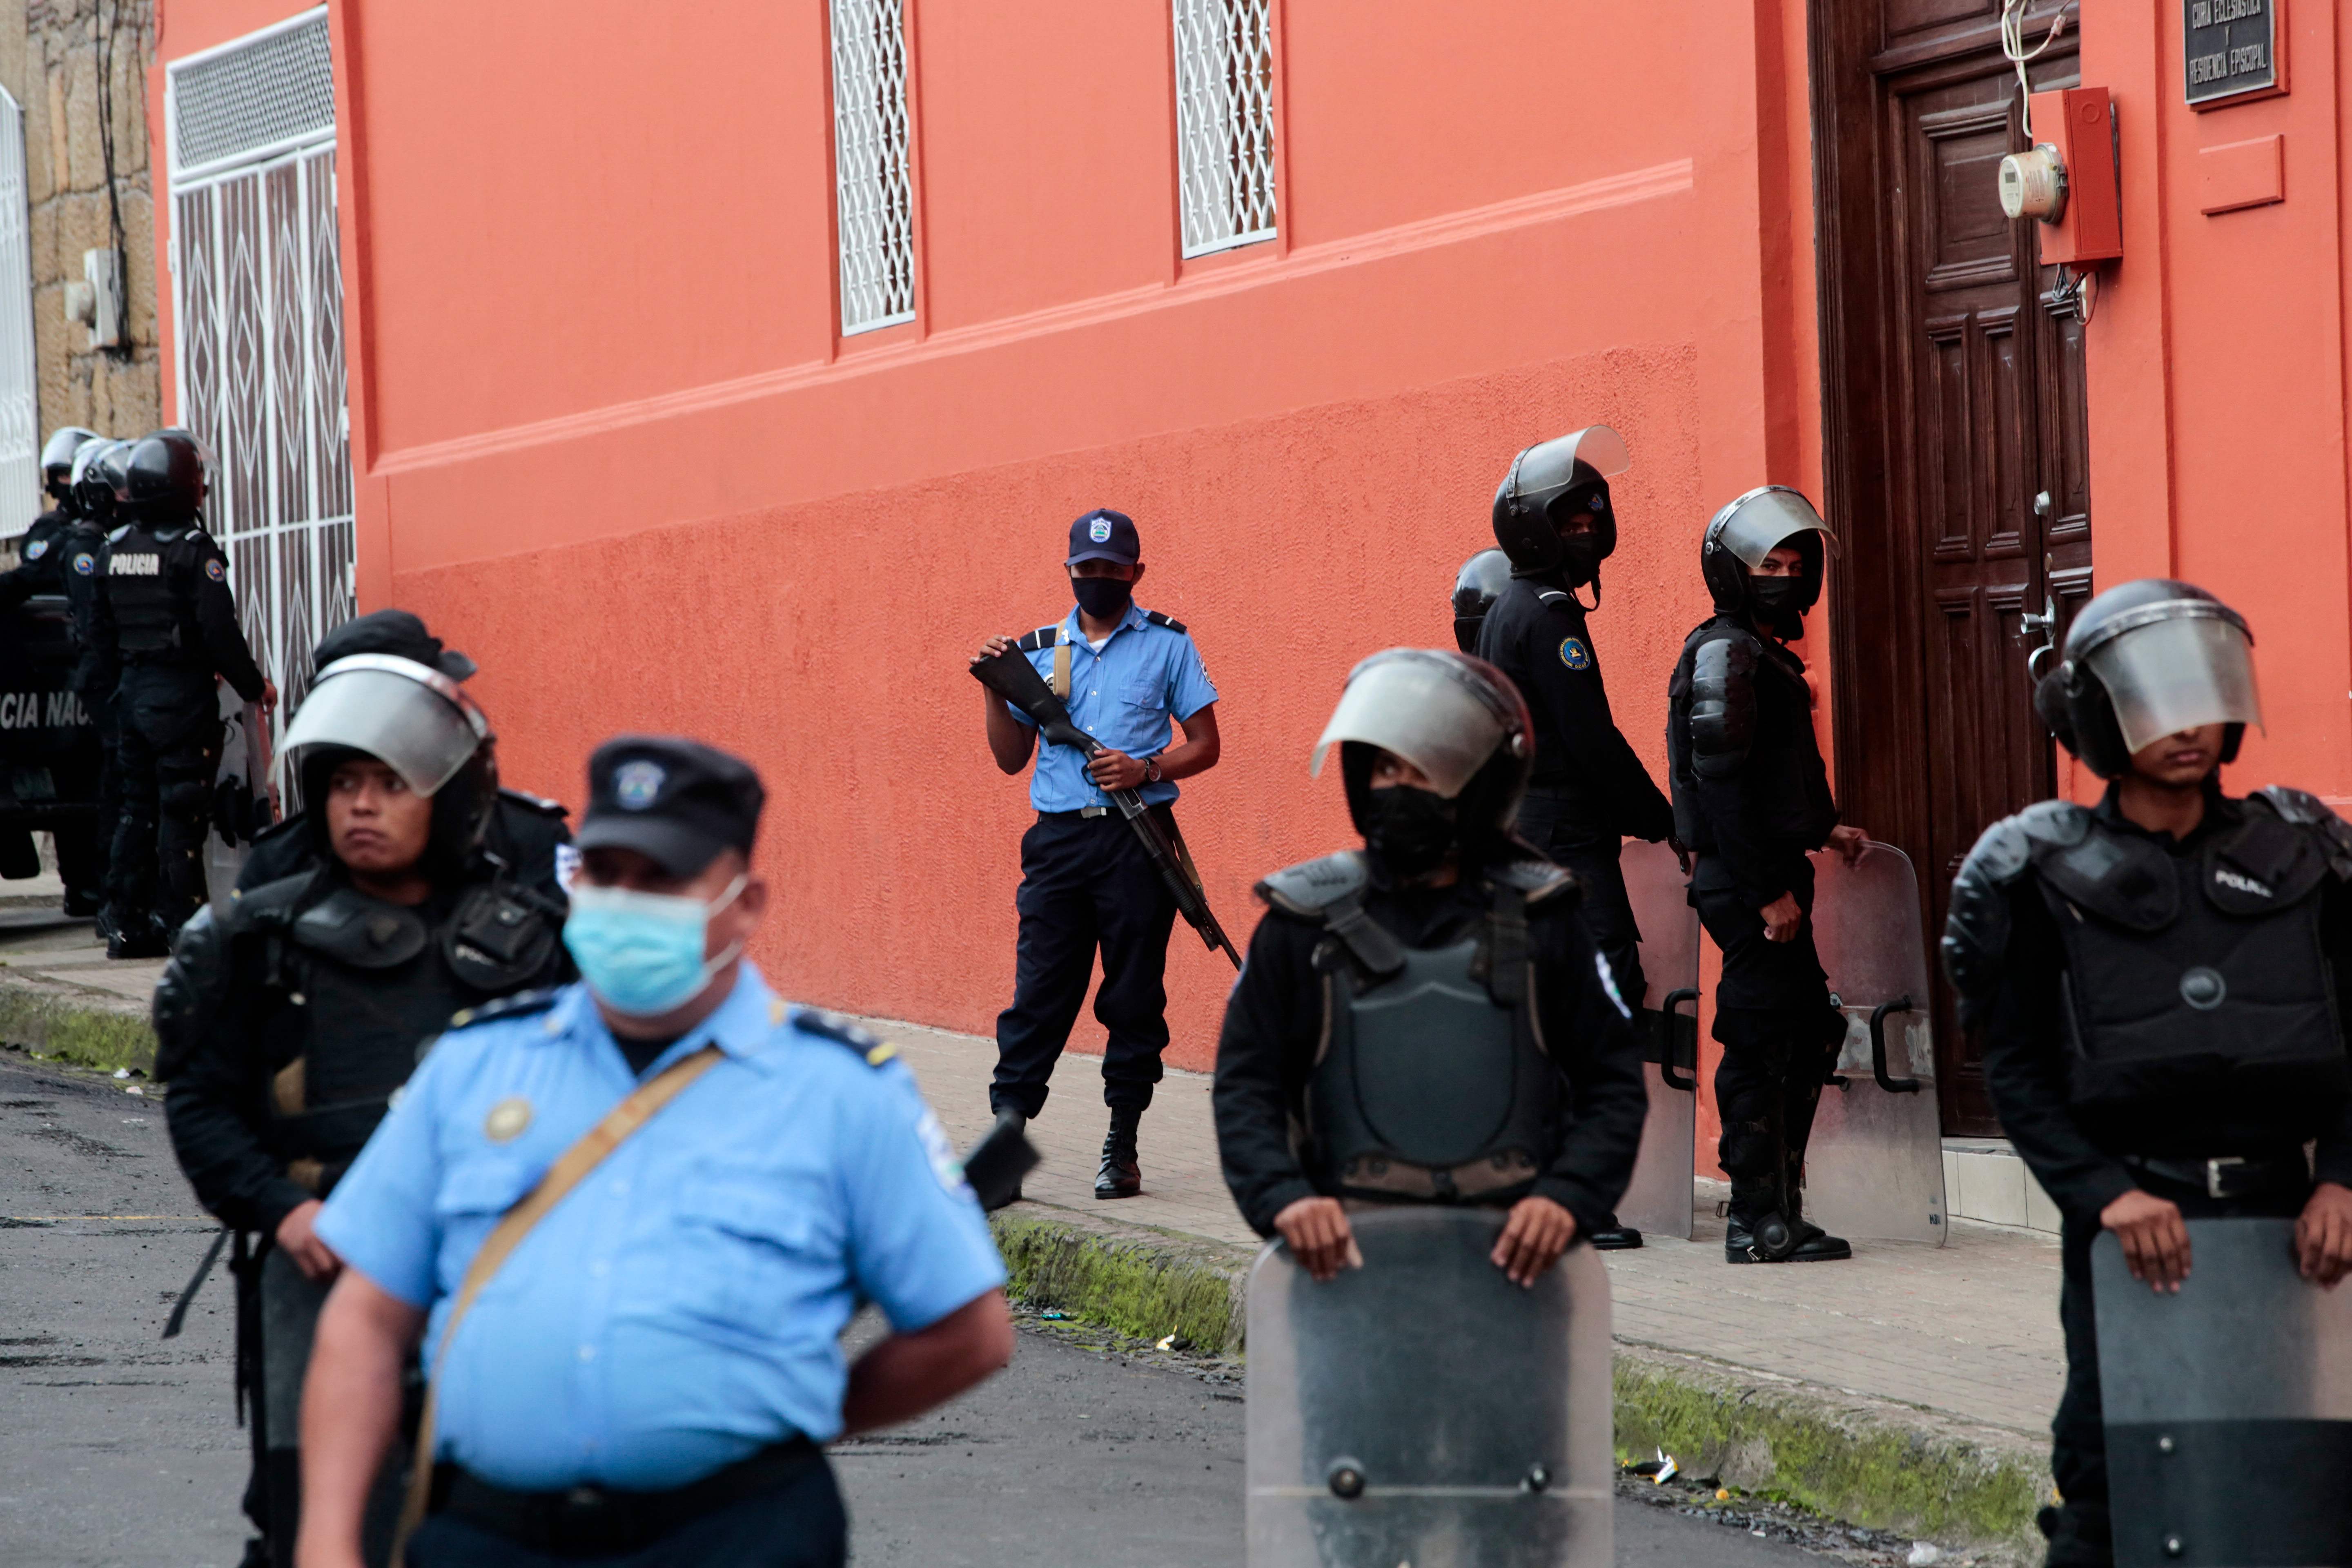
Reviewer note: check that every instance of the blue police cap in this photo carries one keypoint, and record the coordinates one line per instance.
(1103, 534)
(676, 800)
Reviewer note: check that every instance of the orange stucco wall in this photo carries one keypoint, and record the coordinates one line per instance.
(611, 444)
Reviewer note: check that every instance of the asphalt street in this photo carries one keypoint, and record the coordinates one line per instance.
(122, 1451)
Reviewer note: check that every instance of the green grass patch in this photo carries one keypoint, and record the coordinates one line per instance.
(60, 1028)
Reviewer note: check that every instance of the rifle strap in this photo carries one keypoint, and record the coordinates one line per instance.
(571, 1168)
(1061, 682)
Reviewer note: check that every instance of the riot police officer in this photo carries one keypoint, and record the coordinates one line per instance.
(526, 832)
(1751, 799)
(1430, 1009)
(43, 554)
(1476, 586)
(164, 611)
(284, 1026)
(40, 562)
(2159, 980)
(1554, 521)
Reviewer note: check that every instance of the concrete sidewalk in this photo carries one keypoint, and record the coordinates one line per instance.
(1910, 1388)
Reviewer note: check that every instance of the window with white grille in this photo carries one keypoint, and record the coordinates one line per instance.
(276, 89)
(1225, 121)
(875, 198)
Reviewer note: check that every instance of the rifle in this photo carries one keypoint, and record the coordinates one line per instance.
(1011, 677)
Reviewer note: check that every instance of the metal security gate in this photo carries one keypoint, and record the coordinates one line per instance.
(20, 413)
(258, 290)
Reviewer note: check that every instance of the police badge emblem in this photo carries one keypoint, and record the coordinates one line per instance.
(1099, 531)
(507, 1120)
(216, 571)
(636, 784)
(35, 551)
(84, 564)
(1575, 655)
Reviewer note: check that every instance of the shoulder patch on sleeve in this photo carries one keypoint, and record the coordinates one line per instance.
(833, 1027)
(216, 571)
(1158, 620)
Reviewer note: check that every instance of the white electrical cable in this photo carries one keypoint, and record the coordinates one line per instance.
(2012, 45)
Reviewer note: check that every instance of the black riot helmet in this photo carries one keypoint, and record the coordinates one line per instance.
(401, 633)
(166, 478)
(58, 459)
(1476, 586)
(97, 479)
(418, 722)
(2144, 660)
(1742, 534)
(1549, 483)
(1459, 720)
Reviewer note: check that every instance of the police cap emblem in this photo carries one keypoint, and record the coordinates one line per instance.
(85, 563)
(1099, 531)
(507, 1120)
(1575, 655)
(35, 551)
(216, 571)
(636, 784)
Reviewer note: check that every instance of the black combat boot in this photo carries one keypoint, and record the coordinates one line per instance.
(1121, 1176)
(1614, 1237)
(1813, 1245)
(135, 936)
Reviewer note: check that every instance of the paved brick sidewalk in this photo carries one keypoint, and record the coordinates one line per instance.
(1969, 1329)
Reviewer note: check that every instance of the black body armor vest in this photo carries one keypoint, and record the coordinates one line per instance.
(356, 987)
(144, 587)
(1431, 1082)
(2183, 970)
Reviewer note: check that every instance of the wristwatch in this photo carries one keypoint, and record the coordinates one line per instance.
(1151, 770)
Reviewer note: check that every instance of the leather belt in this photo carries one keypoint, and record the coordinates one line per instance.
(2228, 1175)
(591, 1521)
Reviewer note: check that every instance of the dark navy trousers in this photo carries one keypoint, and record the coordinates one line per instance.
(1087, 886)
(801, 1525)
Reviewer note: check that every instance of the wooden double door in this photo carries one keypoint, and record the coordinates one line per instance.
(1958, 474)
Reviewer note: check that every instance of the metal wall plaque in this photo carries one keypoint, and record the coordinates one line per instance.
(2229, 48)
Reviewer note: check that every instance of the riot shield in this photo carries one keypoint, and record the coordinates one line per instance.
(1658, 1199)
(1876, 1165)
(241, 804)
(2228, 1406)
(1424, 1409)
(49, 749)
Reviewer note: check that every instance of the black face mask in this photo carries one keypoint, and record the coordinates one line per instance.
(1411, 830)
(1580, 558)
(1778, 603)
(1104, 598)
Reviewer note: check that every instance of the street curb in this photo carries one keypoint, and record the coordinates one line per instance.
(67, 1023)
(1870, 1462)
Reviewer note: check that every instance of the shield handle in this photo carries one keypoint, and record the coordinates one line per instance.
(1878, 1047)
(1674, 999)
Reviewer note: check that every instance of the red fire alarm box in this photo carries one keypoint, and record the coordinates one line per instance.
(2079, 121)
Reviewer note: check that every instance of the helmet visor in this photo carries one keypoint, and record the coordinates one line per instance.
(413, 719)
(1763, 520)
(1552, 465)
(1425, 706)
(2193, 666)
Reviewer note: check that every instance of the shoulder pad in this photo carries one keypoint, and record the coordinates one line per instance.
(1537, 879)
(1157, 619)
(534, 803)
(522, 1003)
(1976, 932)
(2304, 809)
(1312, 886)
(196, 982)
(118, 533)
(1038, 641)
(833, 1027)
(269, 903)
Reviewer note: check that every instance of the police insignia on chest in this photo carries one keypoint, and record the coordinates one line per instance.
(507, 1120)
(1575, 655)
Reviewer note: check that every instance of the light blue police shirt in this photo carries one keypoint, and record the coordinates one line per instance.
(1124, 696)
(681, 1308)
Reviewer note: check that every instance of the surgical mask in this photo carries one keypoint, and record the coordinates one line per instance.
(1780, 602)
(1411, 830)
(1104, 598)
(641, 953)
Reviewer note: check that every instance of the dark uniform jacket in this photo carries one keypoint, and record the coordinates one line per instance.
(283, 1026)
(1275, 1019)
(163, 598)
(2009, 960)
(40, 560)
(1752, 793)
(1536, 635)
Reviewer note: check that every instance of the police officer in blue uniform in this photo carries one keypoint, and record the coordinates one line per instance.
(640, 1371)
(1087, 881)
(166, 613)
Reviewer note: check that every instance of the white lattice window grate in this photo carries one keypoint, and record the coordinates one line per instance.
(1225, 121)
(869, 148)
(253, 98)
